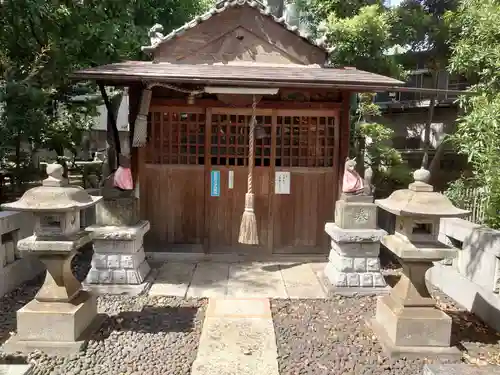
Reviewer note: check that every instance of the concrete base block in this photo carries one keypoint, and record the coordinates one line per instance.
(413, 326)
(412, 331)
(56, 328)
(16, 369)
(412, 352)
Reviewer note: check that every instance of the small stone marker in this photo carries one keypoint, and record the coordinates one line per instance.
(461, 369)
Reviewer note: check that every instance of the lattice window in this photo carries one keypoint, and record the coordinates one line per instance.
(305, 141)
(229, 140)
(176, 138)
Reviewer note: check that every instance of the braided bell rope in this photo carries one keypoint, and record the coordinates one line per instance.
(251, 142)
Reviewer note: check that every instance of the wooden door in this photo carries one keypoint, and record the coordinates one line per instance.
(306, 148)
(172, 180)
(228, 146)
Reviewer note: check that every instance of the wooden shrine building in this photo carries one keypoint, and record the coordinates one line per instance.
(192, 169)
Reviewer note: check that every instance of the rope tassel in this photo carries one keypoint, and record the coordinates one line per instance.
(248, 228)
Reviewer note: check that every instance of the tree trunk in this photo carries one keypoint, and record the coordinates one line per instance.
(435, 165)
(18, 183)
(427, 134)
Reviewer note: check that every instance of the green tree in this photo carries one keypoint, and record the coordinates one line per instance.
(476, 54)
(42, 41)
(362, 40)
(424, 26)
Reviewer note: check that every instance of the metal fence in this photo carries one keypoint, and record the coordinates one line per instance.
(476, 201)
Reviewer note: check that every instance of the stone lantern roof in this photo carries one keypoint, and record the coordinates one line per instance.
(420, 200)
(55, 195)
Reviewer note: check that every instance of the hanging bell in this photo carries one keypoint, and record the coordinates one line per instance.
(260, 132)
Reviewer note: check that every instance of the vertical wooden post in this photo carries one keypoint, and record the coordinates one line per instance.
(272, 172)
(208, 164)
(345, 125)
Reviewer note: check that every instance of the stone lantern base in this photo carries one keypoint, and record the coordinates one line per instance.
(62, 317)
(55, 328)
(407, 322)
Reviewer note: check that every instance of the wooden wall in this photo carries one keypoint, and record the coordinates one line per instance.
(240, 33)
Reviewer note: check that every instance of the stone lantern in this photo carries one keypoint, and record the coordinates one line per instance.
(407, 320)
(61, 313)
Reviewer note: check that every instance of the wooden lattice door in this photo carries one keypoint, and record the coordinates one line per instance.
(228, 148)
(173, 179)
(306, 148)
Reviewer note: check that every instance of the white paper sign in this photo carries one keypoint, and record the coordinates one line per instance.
(231, 180)
(282, 183)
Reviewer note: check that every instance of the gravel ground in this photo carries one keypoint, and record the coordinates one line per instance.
(319, 337)
(142, 335)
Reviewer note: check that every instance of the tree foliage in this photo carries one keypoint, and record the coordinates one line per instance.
(476, 53)
(361, 40)
(42, 41)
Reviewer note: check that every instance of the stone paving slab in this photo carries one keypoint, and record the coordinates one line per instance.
(237, 339)
(239, 280)
(301, 281)
(173, 280)
(460, 369)
(255, 280)
(209, 280)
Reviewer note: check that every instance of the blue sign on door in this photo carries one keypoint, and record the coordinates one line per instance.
(215, 183)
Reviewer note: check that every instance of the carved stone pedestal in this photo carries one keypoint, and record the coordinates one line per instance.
(119, 263)
(354, 265)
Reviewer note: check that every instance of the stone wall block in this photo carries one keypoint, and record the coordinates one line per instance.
(99, 260)
(378, 280)
(119, 276)
(353, 280)
(341, 263)
(113, 261)
(373, 264)
(105, 276)
(359, 264)
(366, 280)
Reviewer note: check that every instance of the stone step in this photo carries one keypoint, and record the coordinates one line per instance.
(15, 369)
(461, 369)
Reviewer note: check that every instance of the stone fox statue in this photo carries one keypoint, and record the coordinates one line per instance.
(353, 183)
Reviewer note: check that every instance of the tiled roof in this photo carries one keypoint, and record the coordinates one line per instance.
(222, 6)
(254, 74)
